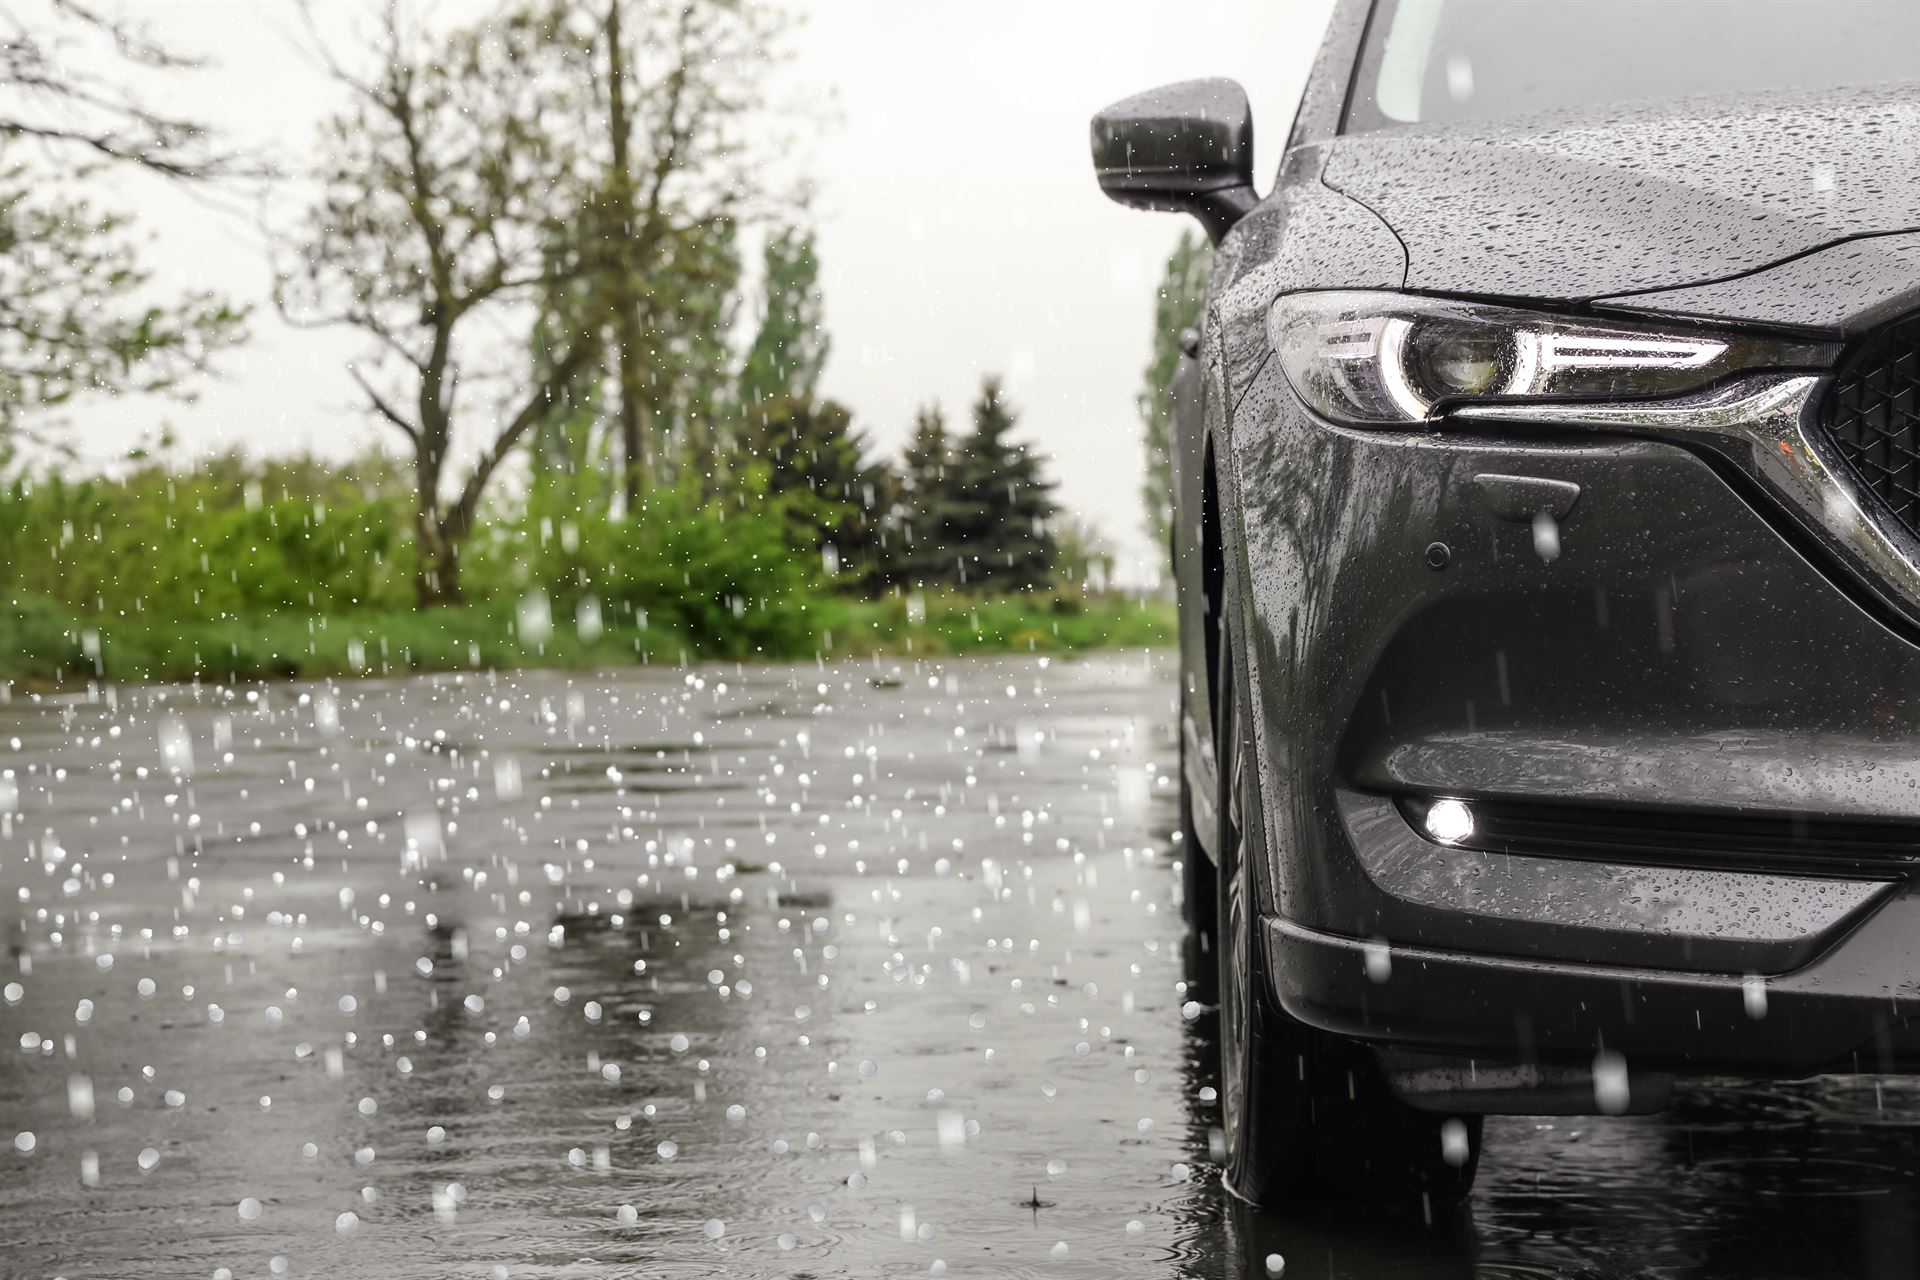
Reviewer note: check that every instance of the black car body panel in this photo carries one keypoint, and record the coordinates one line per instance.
(1676, 654)
(1687, 706)
(1579, 205)
(1845, 289)
(1306, 236)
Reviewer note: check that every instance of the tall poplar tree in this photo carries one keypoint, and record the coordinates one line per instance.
(790, 348)
(1176, 306)
(669, 88)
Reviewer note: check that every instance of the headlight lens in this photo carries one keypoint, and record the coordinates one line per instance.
(1393, 359)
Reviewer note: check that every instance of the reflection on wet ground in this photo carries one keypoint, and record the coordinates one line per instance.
(846, 970)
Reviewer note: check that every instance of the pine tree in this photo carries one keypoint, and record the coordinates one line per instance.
(1176, 307)
(921, 553)
(790, 348)
(999, 533)
(835, 500)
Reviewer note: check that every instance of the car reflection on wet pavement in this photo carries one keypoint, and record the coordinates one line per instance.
(860, 969)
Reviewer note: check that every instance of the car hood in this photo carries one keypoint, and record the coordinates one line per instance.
(1589, 205)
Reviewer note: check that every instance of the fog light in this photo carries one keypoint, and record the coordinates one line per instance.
(1448, 821)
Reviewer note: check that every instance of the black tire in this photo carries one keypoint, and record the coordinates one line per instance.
(1306, 1116)
(1199, 898)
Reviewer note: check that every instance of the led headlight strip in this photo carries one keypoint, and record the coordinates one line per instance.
(1388, 359)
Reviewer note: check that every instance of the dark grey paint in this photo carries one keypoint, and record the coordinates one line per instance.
(1682, 918)
(1676, 652)
(1845, 288)
(1303, 236)
(1698, 634)
(1184, 147)
(1466, 1003)
(1522, 498)
(1580, 205)
(1324, 101)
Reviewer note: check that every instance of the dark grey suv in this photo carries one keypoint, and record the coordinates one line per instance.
(1548, 545)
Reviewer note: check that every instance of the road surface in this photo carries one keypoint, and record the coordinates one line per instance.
(864, 969)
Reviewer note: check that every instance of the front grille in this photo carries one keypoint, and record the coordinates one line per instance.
(1872, 417)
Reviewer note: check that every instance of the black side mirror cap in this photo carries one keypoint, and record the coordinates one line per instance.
(1186, 147)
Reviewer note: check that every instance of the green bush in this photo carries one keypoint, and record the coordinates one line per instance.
(39, 640)
(208, 544)
(728, 580)
(248, 570)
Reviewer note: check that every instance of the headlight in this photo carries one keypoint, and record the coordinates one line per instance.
(1395, 359)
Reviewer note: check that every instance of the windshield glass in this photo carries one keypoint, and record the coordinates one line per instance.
(1439, 61)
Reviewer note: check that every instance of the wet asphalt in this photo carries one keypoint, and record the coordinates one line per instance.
(864, 969)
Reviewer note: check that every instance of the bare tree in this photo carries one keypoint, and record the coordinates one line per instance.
(592, 146)
(75, 315)
(442, 215)
(64, 80)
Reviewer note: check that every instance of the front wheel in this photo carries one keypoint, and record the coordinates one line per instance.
(1200, 898)
(1305, 1115)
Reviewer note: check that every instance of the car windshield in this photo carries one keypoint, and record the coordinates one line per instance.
(1440, 61)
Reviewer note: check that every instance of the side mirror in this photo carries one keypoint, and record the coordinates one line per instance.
(1187, 147)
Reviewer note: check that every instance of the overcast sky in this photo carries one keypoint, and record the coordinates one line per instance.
(960, 230)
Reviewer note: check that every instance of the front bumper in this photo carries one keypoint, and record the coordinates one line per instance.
(1677, 640)
(1855, 1009)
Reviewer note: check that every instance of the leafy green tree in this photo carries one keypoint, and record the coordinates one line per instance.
(1176, 306)
(566, 450)
(662, 95)
(76, 315)
(691, 374)
(1001, 504)
(790, 348)
(1084, 562)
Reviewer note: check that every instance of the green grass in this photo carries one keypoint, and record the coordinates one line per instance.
(1007, 624)
(43, 644)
